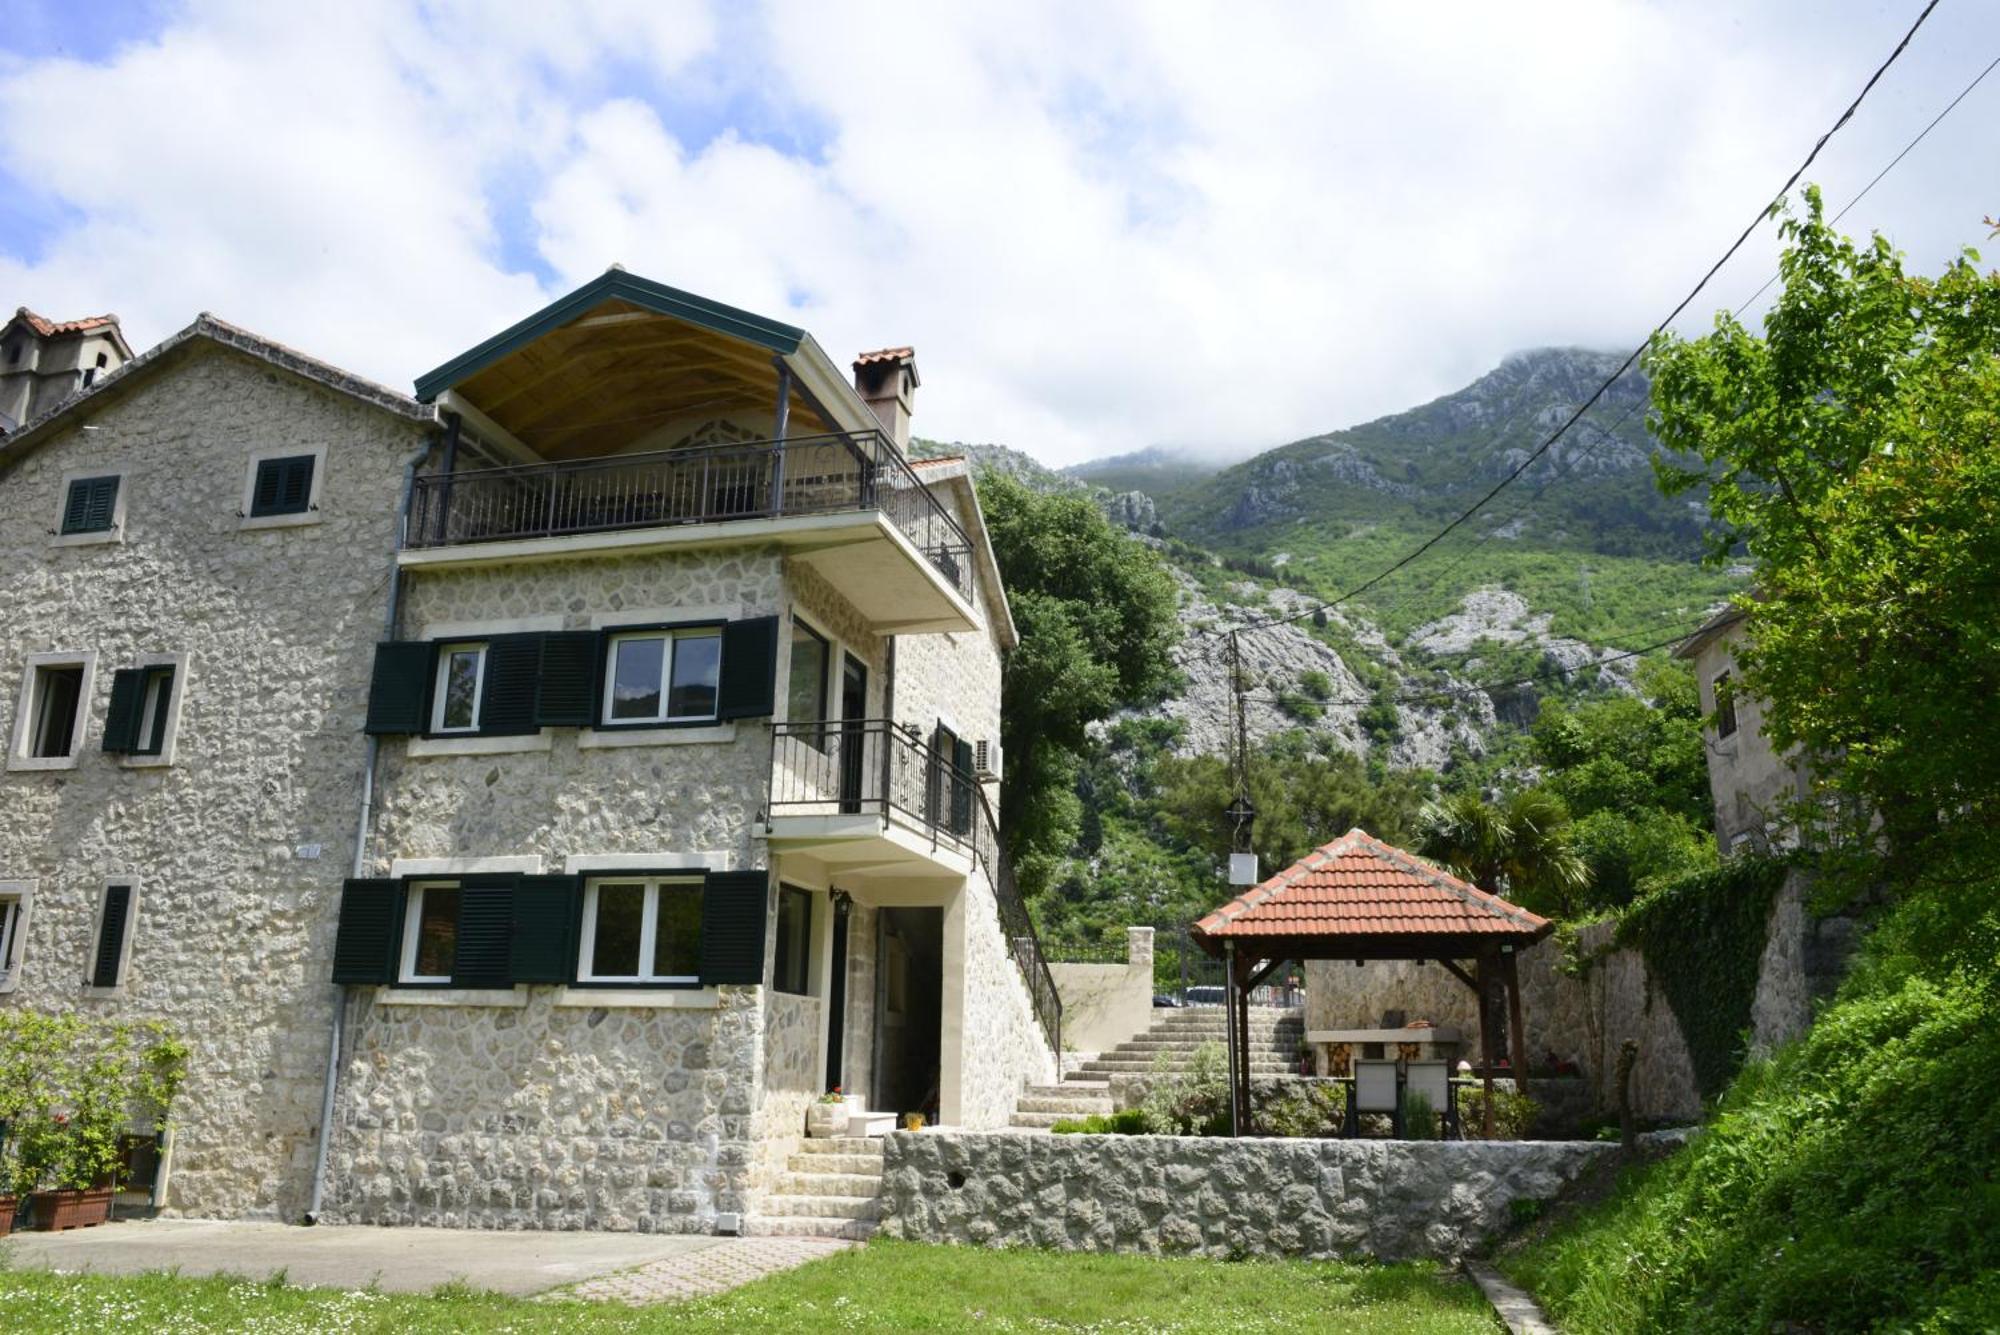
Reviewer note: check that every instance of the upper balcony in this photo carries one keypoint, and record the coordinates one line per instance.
(846, 503)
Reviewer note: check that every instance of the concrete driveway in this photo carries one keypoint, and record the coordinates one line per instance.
(406, 1260)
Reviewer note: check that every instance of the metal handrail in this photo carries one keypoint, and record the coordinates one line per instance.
(834, 473)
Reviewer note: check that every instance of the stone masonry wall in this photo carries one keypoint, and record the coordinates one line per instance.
(239, 847)
(1002, 1047)
(791, 1080)
(1150, 1195)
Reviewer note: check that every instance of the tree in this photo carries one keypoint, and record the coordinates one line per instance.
(1096, 612)
(1523, 848)
(1853, 449)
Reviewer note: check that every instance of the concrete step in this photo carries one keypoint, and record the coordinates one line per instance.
(822, 1207)
(1067, 1089)
(1136, 1066)
(806, 1226)
(842, 1145)
(864, 1186)
(1075, 1105)
(864, 1165)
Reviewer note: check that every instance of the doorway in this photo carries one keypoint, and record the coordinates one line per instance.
(909, 1011)
(853, 710)
(836, 992)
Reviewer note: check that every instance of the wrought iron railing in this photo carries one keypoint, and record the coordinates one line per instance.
(806, 475)
(878, 767)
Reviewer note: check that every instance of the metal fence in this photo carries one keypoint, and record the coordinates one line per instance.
(808, 475)
(1182, 971)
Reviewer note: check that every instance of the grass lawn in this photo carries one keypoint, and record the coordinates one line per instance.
(883, 1286)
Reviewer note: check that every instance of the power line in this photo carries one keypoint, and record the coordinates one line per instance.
(1631, 358)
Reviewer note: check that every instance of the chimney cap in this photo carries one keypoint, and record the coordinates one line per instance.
(873, 363)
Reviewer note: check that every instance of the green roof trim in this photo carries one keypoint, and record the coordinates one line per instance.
(613, 284)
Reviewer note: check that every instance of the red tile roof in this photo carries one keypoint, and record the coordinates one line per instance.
(884, 355)
(1358, 886)
(936, 459)
(48, 328)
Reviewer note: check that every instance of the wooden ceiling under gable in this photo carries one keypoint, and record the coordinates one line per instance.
(617, 373)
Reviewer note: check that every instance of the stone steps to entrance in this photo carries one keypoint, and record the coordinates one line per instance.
(823, 1207)
(1080, 1104)
(861, 1186)
(785, 1226)
(832, 1188)
(847, 1164)
(842, 1145)
(1146, 1066)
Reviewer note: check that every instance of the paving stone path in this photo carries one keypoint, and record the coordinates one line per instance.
(699, 1272)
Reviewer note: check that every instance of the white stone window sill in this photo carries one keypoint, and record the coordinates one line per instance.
(43, 762)
(107, 993)
(590, 739)
(247, 523)
(501, 997)
(94, 539)
(645, 998)
(421, 747)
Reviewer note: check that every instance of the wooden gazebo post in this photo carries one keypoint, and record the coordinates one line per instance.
(1484, 972)
(1517, 1042)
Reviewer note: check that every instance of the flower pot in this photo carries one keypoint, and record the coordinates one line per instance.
(825, 1120)
(58, 1210)
(8, 1206)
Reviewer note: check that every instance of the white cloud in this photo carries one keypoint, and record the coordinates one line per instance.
(1103, 226)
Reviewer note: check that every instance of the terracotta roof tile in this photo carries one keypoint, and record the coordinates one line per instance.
(1359, 886)
(884, 355)
(48, 328)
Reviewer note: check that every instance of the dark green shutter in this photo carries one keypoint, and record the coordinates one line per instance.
(544, 918)
(111, 936)
(749, 669)
(364, 947)
(566, 695)
(507, 703)
(90, 505)
(399, 693)
(961, 787)
(732, 927)
(128, 702)
(482, 950)
(284, 486)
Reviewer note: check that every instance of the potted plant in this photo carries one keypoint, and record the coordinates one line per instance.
(826, 1117)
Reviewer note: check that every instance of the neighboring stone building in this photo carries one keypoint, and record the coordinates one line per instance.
(1751, 781)
(43, 362)
(674, 807)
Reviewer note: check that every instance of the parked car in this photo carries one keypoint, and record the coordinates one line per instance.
(1205, 995)
(1166, 1000)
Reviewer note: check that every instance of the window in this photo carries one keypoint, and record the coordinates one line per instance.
(662, 676)
(114, 935)
(144, 711)
(430, 932)
(794, 940)
(15, 897)
(155, 702)
(641, 930)
(90, 505)
(49, 718)
(283, 486)
(461, 673)
(806, 697)
(1725, 705)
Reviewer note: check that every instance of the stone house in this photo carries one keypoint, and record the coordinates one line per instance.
(1751, 782)
(668, 788)
(43, 362)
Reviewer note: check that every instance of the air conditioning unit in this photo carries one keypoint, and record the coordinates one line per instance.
(986, 760)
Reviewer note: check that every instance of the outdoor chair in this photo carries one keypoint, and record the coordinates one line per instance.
(1374, 1092)
(1432, 1079)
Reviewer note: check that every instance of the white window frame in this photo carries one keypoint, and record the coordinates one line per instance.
(116, 533)
(310, 515)
(413, 917)
(177, 697)
(438, 677)
(648, 929)
(672, 636)
(14, 920)
(117, 987)
(24, 711)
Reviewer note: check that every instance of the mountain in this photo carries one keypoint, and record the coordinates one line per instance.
(1154, 470)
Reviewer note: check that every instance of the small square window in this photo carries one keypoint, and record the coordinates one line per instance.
(662, 676)
(641, 930)
(795, 913)
(90, 505)
(461, 679)
(430, 933)
(283, 486)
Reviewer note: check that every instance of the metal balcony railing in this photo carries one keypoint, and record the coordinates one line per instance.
(878, 767)
(845, 473)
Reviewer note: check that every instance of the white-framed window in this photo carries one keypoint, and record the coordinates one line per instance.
(52, 711)
(461, 679)
(641, 929)
(661, 676)
(282, 487)
(807, 691)
(17, 898)
(430, 932)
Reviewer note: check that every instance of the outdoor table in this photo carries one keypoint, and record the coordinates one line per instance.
(1436, 1043)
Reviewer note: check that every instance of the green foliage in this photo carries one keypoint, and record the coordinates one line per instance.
(1702, 937)
(1420, 1120)
(1854, 449)
(1513, 1112)
(1096, 612)
(1523, 848)
(1309, 1109)
(71, 1086)
(1130, 1122)
(1316, 684)
(1194, 1102)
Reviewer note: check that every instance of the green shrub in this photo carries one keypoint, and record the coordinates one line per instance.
(1420, 1120)
(1130, 1122)
(1306, 1109)
(71, 1087)
(1195, 1103)
(1513, 1112)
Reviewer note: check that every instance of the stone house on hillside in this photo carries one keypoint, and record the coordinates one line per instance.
(43, 362)
(663, 804)
(1750, 780)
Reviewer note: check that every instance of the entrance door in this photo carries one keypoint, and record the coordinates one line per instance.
(836, 993)
(853, 709)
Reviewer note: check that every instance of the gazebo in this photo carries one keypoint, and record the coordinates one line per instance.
(1361, 899)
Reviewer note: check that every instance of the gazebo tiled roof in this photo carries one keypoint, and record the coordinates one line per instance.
(1358, 891)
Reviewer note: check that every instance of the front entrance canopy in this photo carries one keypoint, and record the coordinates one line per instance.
(1358, 898)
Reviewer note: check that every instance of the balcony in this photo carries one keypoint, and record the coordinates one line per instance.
(847, 504)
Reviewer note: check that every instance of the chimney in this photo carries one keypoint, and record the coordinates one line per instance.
(887, 379)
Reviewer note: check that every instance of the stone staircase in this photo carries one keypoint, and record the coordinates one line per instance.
(832, 1188)
(1275, 1036)
(1042, 1106)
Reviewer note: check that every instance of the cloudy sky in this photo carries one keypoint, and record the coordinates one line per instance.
(1104, 226)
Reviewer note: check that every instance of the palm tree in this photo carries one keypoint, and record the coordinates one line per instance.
(1523, 848)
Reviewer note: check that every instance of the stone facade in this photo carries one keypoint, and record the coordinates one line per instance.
(1151, 1195)
(238, 847)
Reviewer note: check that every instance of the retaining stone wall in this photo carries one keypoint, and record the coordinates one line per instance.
(1394, 1200)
